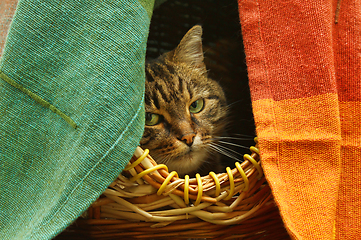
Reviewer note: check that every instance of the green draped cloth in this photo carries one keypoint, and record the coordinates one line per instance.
(71, 108)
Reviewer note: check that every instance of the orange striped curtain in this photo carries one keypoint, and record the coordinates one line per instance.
(304, 60)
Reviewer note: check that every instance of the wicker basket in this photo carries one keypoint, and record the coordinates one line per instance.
(146, 201)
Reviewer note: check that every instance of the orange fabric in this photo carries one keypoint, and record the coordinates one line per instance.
(349, 201)
(304, 72)
(296, 142)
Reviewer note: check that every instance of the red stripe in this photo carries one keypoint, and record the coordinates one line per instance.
(288, 48)
(347, 35)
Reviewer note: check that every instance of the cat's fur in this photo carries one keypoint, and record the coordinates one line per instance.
(182, 140)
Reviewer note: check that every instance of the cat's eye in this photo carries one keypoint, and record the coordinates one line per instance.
(197, 106)
(152, 119)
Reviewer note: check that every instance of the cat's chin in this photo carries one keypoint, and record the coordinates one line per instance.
(188, 162)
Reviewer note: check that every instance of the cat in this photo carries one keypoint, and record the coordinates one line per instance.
(185, 110)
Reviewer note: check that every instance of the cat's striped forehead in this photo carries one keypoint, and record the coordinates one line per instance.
(174, 83)
(164, 84)
(168, 85)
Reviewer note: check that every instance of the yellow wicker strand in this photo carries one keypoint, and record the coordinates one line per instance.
(231, 183)
(149, 170)
(166, 181)
(146, 207)
(129, 205)
(244, 177)
(230, 221)
(200, 189)
(178, 200)
(236, 202)
(186, 189)
(149, 217)
(133, 172)
(254, 150)
(181, 211)
(110, 213)
(216, 182)
(139, 160)
(255, 163)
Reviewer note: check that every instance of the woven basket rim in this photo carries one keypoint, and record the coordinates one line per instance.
(133, 209)
(244, 179)
(158, 176)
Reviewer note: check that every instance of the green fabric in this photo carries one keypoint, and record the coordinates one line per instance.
(85, 59)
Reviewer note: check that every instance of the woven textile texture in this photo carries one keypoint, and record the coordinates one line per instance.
(71, 107)
(303, 59)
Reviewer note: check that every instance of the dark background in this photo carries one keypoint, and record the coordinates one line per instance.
(224, 54)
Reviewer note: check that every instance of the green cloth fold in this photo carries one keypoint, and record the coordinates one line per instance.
(86, 59)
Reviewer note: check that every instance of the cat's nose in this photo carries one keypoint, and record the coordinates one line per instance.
(188, 138)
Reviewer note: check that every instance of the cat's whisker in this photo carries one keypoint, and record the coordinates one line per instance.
(226, 154)
(234, 156)
(245, 135)
(233, 144)
(223, 152)
(234, 103)
(210, 152)
(165, 159)
(229, 149)
(233, 138)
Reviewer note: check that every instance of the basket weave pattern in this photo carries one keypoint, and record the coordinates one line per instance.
(146, 201)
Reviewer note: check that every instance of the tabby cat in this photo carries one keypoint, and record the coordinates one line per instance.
(185, 110)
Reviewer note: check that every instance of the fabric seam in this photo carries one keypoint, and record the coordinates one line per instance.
(38, 99)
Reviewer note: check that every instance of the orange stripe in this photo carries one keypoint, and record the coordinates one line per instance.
(350, 113)
(300, 152)
(349, 204)
(304, 178)
(310, 118)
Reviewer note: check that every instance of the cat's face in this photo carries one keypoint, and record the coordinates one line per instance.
(185, 110)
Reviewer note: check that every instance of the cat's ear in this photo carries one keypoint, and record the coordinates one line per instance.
(190, 49)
